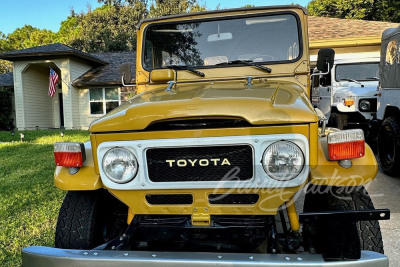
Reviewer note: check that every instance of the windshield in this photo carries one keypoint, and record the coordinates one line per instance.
(358, 72)
(267, 38)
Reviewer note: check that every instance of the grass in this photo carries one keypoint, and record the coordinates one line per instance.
(29, 202)
(46, 136)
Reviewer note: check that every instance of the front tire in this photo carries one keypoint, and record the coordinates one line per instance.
(88, 219)
(366, 233)
(389, 147)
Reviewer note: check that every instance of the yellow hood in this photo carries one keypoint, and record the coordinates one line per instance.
(261, 104)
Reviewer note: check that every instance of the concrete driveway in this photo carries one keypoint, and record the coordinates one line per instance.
(385, 193)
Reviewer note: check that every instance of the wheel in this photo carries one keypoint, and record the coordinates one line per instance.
(88, 219)
(346, 240)
(389, 146)
(337, 120)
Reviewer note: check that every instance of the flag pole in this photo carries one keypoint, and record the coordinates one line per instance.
(65, 83)
(62, 80)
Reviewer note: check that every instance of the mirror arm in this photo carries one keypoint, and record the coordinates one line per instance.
(124, 84)
(319, 73)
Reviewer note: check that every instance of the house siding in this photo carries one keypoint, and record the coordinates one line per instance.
(37, 103)
(18, 94)
(34, 107)
(80, 98)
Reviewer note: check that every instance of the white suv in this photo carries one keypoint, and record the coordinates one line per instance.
(348, 94)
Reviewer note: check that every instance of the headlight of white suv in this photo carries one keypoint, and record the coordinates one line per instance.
(283, 160)
(120, 165)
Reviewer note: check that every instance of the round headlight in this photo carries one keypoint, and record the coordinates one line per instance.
(283, 160)
(120, 165)
(365, 105)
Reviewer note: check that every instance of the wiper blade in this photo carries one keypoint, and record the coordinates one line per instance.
(349, 80)
(248, 63)
(352, 80)
(177, 67)
(372, 78)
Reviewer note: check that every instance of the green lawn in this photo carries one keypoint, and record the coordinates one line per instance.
(29, 202)
(46, 136)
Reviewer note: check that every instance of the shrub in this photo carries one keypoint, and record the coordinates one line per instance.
(6, 119)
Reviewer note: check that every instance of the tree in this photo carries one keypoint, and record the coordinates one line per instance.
(378, 10)
(29, 36)
(160, 8)
(70, 29)
(109, 28)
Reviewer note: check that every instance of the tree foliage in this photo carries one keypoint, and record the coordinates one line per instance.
(29, 36)
(109, 28)
(6, 120)
(160, 8)
(377, 10)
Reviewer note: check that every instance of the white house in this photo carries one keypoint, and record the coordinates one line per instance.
(89, 85)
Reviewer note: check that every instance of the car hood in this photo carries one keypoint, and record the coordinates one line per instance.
(276, 102)
(369, 91)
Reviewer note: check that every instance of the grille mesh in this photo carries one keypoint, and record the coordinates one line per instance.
(183, 164)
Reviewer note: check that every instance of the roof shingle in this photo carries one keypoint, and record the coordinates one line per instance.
(321, 28)
(51, 50)
(108, 74)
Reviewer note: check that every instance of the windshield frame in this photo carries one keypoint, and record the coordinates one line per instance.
(356, 63)
(241, 16)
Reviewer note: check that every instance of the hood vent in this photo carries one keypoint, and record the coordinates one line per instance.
(194, 124)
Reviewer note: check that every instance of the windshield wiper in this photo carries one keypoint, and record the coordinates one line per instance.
(246, 62)
(352, 80)
(372, 78)
(177, 67)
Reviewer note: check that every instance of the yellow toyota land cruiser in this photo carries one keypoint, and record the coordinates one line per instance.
(219, 159)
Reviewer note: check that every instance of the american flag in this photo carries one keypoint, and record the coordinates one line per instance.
(52, 82)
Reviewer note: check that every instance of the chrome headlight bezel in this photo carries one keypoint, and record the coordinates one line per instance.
(125, 156)
(266, 157)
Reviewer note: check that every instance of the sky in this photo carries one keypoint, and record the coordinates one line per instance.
(48, 14)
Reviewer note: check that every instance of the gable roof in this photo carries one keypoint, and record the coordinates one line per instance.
(6, 80)
(52, 50)
(108, 74)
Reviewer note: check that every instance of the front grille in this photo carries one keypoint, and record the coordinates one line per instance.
(170, 199)
(233, 199)
(198, 164)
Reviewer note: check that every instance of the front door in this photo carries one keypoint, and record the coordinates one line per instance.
(60, 100)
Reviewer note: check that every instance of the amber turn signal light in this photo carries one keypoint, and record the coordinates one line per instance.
(348, 102)
(347, 144)
(69, 154)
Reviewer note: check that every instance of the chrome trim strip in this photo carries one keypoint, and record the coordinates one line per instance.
(49, 257)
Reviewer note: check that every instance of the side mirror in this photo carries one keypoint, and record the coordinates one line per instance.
(125, 73)
(162, 75)
(326, 57)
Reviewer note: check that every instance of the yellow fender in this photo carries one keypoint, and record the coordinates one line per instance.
(85, 179)
(327, 172)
